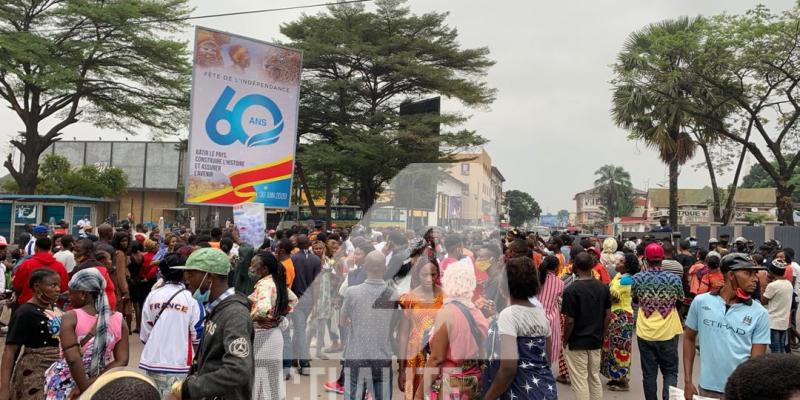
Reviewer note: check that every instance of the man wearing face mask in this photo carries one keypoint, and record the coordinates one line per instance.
(732, 328)
(223, 366)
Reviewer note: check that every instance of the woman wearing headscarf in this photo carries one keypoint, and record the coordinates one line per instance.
(458, 335)
(607, 257)
(33, 329)
(271, 300)
(93, 338)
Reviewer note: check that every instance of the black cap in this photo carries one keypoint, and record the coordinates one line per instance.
(777, 267)
(738, 262)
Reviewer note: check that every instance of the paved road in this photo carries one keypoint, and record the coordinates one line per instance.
(302, 387)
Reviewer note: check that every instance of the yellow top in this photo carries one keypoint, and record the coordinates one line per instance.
(621, 297)
(657, 328)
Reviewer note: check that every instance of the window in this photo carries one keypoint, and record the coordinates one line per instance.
(465, 169)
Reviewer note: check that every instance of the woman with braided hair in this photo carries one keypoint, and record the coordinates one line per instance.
(271, 300)
(93, 338)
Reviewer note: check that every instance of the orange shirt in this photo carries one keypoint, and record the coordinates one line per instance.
(288, 265)
(537, 260)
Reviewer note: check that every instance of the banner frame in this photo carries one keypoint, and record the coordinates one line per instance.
(197, 28)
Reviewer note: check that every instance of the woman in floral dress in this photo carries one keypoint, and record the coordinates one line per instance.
(271, 301)
(419, 311)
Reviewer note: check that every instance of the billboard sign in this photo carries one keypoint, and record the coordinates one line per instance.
(243, 132)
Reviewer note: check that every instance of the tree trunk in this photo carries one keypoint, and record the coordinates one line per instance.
(366, 194)
(306, 191)
(328, 197)
(673, 193)
(27, 180)
(730, 213)
(717, 205)
(783, 201)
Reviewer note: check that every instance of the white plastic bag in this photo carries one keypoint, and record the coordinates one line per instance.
(677, 394)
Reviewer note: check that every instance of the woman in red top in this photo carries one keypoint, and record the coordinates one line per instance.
(143, 274)
(598, 266)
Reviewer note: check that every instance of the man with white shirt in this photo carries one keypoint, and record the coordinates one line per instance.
(65, 256)
(777, 298)
(794, 336)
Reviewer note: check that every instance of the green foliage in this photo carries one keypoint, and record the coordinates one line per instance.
(615, 190)
(651, 91)
(753, 62)
(758, 218)
(108, 62)
(358, 67)
(724, 78)
(58, 177)
(521, 207)
(758, 178)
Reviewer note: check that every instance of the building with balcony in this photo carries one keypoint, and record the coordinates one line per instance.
(589, 206)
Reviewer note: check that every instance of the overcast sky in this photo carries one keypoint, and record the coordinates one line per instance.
(549, 128)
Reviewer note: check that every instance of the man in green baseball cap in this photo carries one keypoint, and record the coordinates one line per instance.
(223, 366)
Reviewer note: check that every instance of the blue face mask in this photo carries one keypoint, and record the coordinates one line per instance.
(199, 296)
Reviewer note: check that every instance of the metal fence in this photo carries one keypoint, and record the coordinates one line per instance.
(788, 236)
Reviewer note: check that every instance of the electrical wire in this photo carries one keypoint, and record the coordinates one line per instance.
(219, 15)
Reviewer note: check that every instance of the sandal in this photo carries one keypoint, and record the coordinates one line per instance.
(619, 387)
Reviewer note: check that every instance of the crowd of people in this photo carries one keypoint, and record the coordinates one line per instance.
(441, 315)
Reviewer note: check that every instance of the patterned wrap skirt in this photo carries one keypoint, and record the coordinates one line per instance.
(27, 381)
(616, 361)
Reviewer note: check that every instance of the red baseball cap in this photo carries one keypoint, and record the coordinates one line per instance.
(654, 252)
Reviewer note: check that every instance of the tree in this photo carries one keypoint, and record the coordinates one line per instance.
(648, 91)
(56, 176)
(103, 61)
(615, 190)
(521, 207)
(753, 62)
(359, 66)
(563, 217)
(758, 178)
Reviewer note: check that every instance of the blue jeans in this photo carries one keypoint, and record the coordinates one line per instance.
(777, 341)
(361, 376)
(655, 355)
(299, 343)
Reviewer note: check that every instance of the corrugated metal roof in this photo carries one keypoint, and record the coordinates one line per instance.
(51, 197)
(659, 198)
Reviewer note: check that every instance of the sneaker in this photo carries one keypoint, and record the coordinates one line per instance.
(305, 371)
(334, 386)
(321, 356)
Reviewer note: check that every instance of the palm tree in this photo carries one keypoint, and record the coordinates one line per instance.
(614, 188)
(648, 93)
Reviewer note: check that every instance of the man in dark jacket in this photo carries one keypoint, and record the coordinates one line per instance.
(306, 266)
(399, 254)
(223, 367)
